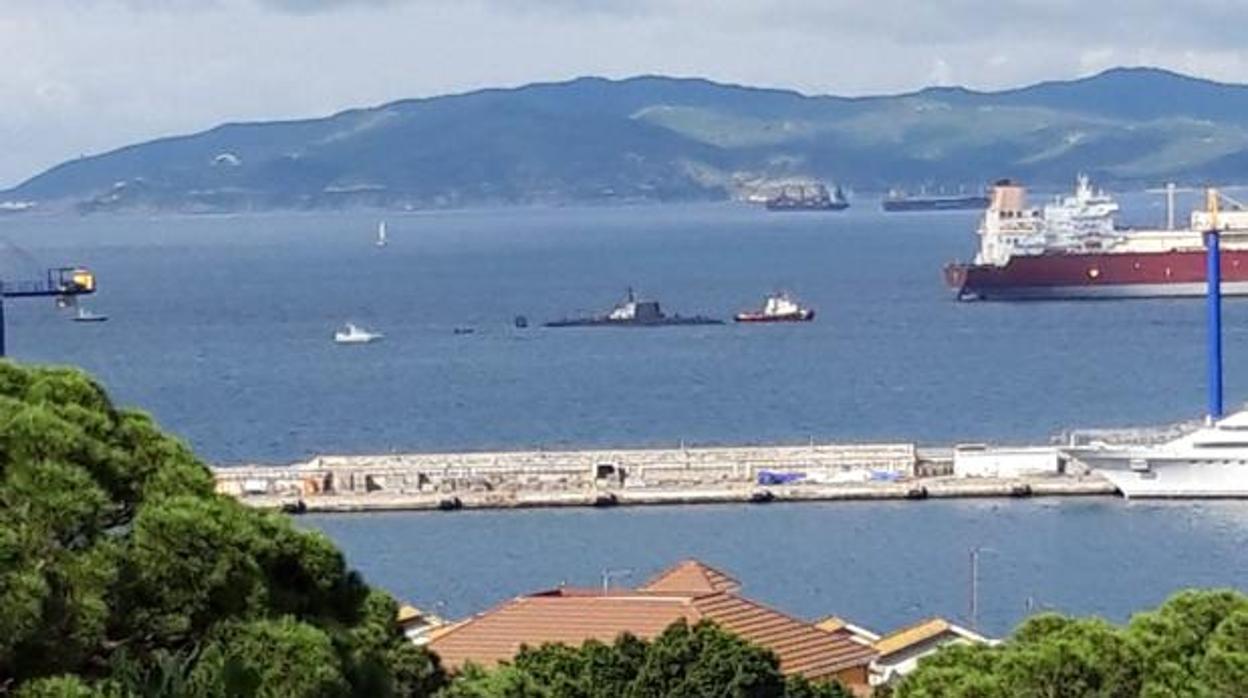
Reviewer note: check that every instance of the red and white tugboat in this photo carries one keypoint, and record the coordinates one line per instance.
(778, 307)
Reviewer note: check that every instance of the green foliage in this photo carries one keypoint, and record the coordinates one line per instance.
(800, 687)
(123, 574)
(271, 658)
(1225, 665)
(683, 662)
(704, 660)
(57, 687)
(1194, 646)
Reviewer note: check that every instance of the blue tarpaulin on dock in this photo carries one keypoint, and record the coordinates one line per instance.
(769, 477)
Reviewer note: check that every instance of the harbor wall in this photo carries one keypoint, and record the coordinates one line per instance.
(604, 477)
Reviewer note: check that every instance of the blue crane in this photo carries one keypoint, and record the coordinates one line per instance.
(62, 283)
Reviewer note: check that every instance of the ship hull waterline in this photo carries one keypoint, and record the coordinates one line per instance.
(671, 322)
(801, 316)
(1177, 274)
(803, 207)
(1175, 478)
(974, 203)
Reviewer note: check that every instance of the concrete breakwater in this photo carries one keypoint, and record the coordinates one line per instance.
(516, 479)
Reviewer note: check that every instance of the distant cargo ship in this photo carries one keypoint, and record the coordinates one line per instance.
(899, 201)
(804, 197)
(634, 313)
(1072, 248)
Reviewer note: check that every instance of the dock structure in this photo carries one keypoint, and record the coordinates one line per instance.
(604, 477)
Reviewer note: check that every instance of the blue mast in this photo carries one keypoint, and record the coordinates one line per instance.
(1213, 307)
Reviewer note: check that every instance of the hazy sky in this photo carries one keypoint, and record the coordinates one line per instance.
(83, 76)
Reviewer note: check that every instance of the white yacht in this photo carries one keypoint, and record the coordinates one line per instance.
(1205, 461)
(355, 335)
(381, 234)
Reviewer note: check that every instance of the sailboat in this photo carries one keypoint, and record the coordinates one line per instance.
(381, 234)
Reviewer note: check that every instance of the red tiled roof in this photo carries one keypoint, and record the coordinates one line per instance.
(801, 647)
(558, 616)
(692, 576)
(572, 617)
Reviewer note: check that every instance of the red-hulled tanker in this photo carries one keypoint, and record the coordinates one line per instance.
(1072, 249)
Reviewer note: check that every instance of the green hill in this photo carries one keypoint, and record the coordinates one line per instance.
(664, 139)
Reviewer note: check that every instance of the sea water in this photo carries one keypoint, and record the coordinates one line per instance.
(223, 328)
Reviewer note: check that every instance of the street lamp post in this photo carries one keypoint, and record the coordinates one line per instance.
(973, 616)
(608, 575)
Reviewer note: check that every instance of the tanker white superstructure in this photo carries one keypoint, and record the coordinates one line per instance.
(1086, 221)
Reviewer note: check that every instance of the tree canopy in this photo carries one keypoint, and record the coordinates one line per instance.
(698, 661)
(1194, 646)
(122, 573)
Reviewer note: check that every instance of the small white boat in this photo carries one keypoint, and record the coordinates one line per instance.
(355, 335)
(85, 315)
(381, 234)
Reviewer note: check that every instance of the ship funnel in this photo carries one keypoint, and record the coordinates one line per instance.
(1213, 306)
(1008, 196)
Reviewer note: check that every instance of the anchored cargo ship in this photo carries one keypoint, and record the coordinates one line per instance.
(802, 197)
(1072, 248)
(899, 201)
(634, 313)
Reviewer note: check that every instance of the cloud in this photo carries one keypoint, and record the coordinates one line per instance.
(88, 75)
(941, 74)
(312, 6)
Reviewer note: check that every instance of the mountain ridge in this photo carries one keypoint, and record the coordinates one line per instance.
(659, 138)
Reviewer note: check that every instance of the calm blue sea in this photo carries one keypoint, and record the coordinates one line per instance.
(222, 326)
(882, 565)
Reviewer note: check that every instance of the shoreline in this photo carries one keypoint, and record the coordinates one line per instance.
(325, 506)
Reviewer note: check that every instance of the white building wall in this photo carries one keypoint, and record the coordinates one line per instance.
(983, 461)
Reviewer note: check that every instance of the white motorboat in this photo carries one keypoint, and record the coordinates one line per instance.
(355, 335)
(381, 234)
(84, 315)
